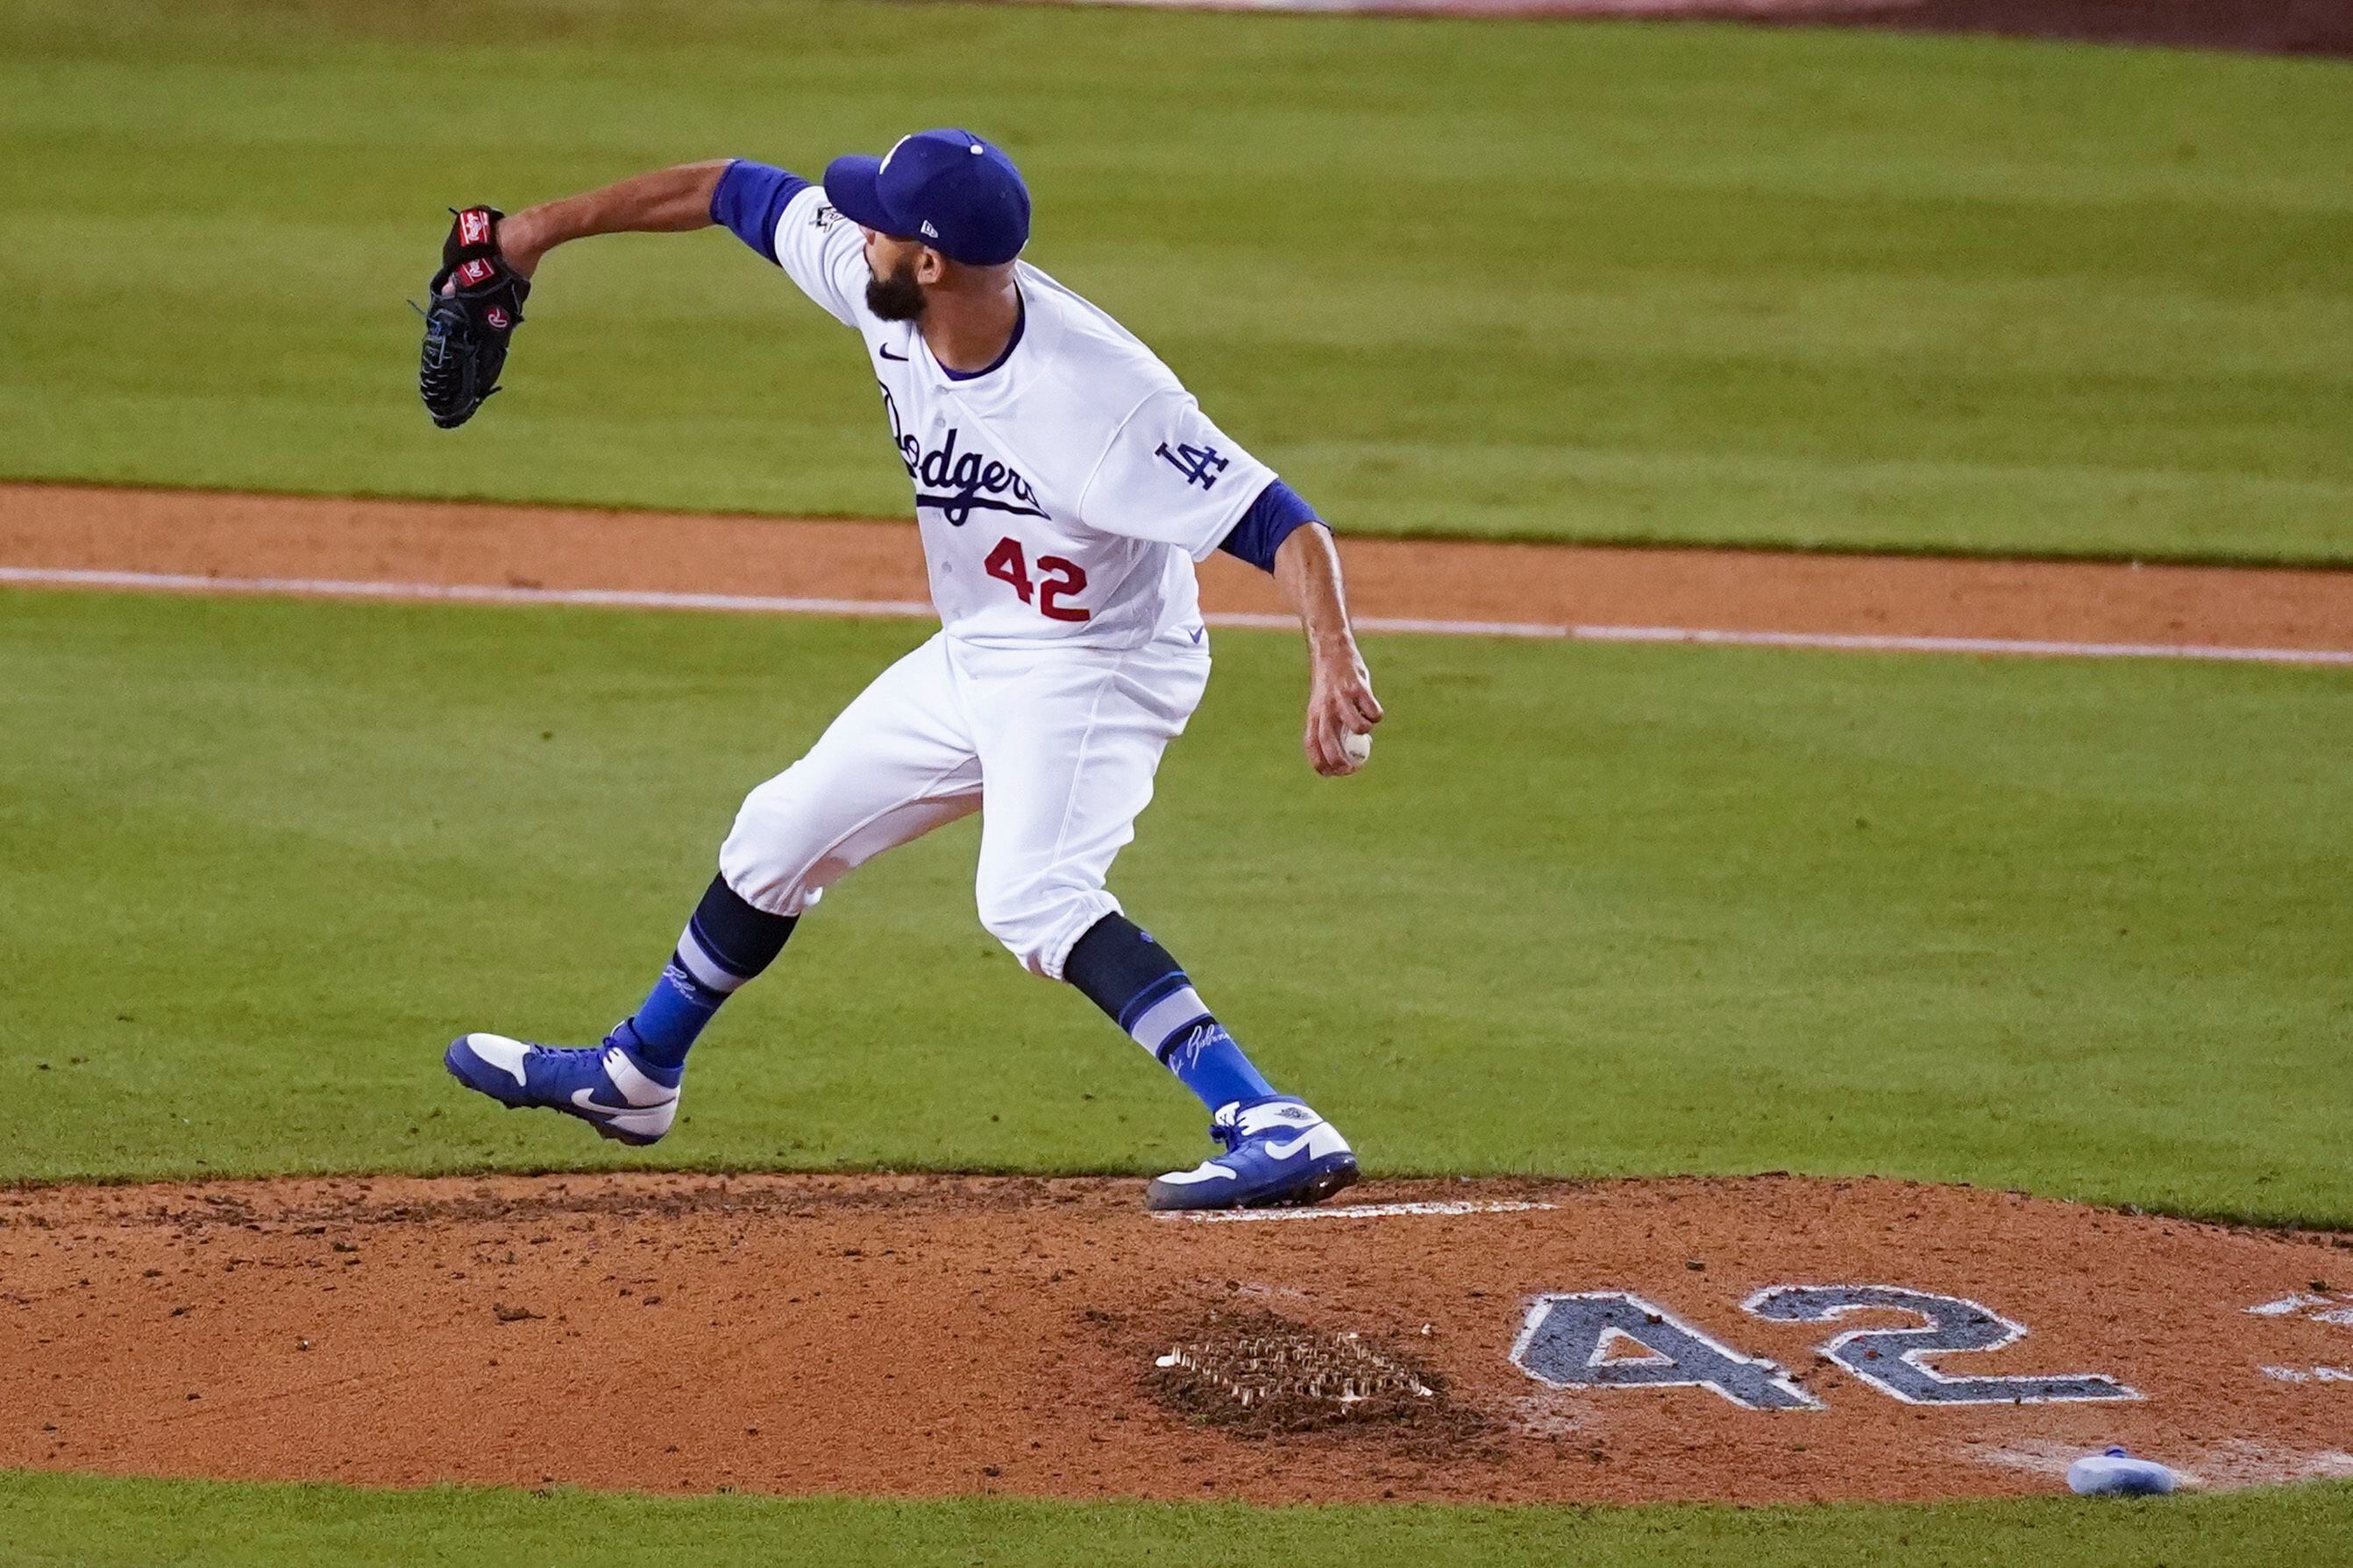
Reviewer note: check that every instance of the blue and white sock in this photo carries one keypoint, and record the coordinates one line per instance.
(1132, 978)
(726, 944)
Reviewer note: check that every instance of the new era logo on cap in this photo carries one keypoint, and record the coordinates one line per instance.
(929, 232)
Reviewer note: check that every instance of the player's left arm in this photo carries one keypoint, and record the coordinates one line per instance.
(1281, 533)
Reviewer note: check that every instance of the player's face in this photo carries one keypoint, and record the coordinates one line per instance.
(894, 291)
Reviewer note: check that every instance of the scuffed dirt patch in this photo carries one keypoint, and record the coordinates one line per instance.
(924, 1336)
(1252, 1372)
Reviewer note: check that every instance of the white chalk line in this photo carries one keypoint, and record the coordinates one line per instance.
(2317, 1308)
(760, 603)
(462, 592)
(1359, 1211)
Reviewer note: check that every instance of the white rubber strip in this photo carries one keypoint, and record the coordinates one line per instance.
(757, 603)
(1355, 1211)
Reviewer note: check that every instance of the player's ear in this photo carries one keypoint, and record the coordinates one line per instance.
(930, 266)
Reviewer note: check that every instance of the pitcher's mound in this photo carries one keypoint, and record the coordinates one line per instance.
(1753, 1340)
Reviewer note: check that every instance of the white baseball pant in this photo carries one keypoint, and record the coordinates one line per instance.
(1055, 748)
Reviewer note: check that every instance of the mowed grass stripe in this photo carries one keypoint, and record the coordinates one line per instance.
(2069, 926)
(88, 1522)
(1512, 280)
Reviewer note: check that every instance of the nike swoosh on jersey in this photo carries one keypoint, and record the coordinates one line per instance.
(886, 354)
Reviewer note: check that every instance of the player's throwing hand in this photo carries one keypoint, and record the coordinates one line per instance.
(1341, 707)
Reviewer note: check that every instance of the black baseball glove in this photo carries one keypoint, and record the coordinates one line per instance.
(467, 329)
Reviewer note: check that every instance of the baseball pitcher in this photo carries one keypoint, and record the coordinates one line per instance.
(1065, 485)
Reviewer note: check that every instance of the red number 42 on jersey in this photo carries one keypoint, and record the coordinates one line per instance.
(1062, 579)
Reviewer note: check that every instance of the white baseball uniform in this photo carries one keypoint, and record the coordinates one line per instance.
(1064, 496)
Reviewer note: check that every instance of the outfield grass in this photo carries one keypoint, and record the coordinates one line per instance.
(60, 1520)
(2068, 926)
(1688, 284)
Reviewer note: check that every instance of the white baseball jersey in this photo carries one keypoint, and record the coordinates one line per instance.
(1063, 494)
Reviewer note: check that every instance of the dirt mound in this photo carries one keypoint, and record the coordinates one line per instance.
(1751, 1341)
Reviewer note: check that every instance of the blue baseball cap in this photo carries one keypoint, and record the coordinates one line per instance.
(949, 189)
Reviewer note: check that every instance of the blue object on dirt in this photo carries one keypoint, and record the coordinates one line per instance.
(2116, 1473)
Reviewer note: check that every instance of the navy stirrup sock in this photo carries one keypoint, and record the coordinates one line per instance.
(1132, 978)
(725, 944)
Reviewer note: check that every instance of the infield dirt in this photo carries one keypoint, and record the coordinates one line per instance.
(2274, 26)
(228, 536)
(919, 1336)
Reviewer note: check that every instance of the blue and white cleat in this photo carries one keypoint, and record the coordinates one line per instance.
(603, 1085)
(1279, 1153)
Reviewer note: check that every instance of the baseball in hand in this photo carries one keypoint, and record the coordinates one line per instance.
(1358, 749)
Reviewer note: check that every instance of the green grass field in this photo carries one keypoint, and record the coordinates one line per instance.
(1711, 911)
(1688, 284)
(48, 1521)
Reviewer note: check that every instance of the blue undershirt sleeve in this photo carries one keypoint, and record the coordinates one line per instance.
(749, 200)
(1278, 510)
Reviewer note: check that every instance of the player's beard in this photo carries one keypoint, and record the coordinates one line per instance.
(896, 296)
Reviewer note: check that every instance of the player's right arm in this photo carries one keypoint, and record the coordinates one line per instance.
(1171, 476)
(1340, 700)
(777, 214)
